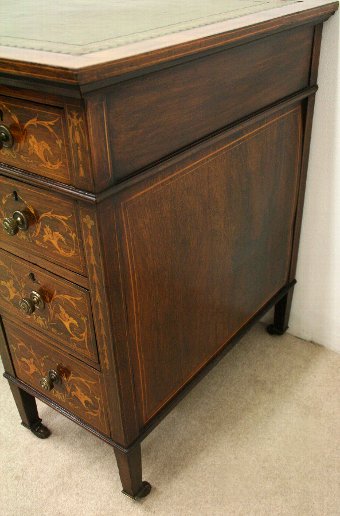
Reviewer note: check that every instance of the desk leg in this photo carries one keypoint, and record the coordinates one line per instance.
(28, 411)
(130, 471)
(281, 314)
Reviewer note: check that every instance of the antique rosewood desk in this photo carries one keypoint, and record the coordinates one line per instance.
(153, 165)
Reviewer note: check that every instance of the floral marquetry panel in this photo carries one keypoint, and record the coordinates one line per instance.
(80, 389)
(52, 231)
(79, 147)
(66, 314)
(39, 139)
(47, 140)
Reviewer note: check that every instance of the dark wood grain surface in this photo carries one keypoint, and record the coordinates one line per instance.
(148, 120)
(206, 245)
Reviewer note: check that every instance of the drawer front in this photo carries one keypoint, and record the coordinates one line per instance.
(52, 230)
(80, 387)
(47, 140)
(39, 139)
(66, 310)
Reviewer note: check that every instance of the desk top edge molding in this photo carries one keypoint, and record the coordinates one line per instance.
(103, 71)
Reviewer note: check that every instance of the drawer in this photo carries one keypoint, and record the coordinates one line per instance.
(51, 231)
(63, 309)
(50, 141)
(78, 387)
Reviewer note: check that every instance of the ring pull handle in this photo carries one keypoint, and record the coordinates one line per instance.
(6, 137)
(50, 380)
(28, 305)
(18, 222)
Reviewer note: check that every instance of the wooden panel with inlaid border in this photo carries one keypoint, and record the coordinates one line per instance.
(100, 236)
(207, 243)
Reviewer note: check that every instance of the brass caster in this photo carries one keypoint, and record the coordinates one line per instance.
(273, 330)
(142, 493)
(39, 430)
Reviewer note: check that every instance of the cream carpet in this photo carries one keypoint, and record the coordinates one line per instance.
(260, 435)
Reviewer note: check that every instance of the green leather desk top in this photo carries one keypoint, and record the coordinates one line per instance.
(78, 27)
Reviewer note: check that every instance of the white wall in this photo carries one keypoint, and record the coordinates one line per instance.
(315, 312)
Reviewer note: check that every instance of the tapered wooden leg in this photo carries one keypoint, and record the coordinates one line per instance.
(281, 314)
(28, 411)
(130, 471)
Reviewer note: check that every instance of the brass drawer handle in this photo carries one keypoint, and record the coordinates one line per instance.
(50, 380)
(6, 137)
(29, 304)
(18, 221)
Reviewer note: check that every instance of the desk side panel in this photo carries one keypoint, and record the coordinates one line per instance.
(206, 243)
